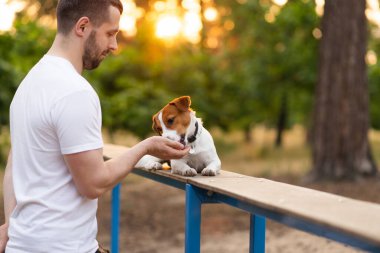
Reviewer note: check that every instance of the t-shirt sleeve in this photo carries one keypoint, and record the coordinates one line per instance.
(78, 121)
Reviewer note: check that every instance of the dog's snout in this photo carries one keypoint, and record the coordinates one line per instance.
(182, 140)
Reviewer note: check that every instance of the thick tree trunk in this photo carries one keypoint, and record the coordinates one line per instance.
(340, 145)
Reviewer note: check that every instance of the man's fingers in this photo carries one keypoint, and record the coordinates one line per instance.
(176, 150)
(181, 153)
(175, 144)
(167, 149)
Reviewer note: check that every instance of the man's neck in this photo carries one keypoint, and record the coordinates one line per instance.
(68, 49)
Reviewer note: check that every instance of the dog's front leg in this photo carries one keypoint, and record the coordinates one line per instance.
(149, 162)
(180, 167)
(212, 169)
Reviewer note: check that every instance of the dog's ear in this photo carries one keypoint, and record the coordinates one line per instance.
(182, 103)
(156, 126)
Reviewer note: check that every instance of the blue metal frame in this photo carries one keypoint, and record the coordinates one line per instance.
(193, 221)
(257, 234)
(196, 196)
(115, 219)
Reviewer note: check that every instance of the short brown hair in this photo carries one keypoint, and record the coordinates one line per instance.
(70, 11)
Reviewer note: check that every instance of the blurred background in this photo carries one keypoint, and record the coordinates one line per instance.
(257, 69)
(289, 89)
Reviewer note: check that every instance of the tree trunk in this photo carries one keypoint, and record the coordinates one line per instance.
(340, 145)
(281, 120)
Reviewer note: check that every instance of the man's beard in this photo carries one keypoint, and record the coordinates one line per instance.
(92, 56)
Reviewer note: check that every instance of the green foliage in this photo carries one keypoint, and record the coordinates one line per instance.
(4, 146)
(19, 51)
(262, 62)
(7, 78)
(237, 85)
(240, 83)
(374, 80)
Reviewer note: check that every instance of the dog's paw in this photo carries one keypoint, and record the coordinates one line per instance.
(209, 172)
(187, 172)
(190, 172)
(153, 166)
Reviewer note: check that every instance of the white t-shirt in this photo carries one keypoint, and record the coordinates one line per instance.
(55, 111)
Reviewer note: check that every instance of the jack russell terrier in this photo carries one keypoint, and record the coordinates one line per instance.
(177, 121)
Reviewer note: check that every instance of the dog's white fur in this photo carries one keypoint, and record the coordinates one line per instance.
(202, 157)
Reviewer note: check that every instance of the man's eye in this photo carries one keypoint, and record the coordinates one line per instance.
(112, 34)
(171, 121)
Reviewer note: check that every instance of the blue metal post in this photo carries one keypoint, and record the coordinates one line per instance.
(193, 221)
(257, 234)
(115, 219)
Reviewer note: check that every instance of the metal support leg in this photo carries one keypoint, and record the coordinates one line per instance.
(257, 234)
(115, 219)
(193, 221)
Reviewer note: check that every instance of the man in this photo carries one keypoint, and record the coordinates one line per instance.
(55, 170)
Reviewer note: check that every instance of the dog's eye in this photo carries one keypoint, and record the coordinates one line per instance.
(171, 121)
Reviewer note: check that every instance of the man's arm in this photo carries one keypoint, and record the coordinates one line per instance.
(9, 202)
(93, 176)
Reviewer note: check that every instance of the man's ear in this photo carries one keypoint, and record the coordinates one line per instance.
(81, 26)
(182, 103)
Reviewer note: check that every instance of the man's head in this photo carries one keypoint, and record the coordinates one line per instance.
(70, 11)
(96, 22)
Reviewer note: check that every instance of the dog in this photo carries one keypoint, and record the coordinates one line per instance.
(178, 122)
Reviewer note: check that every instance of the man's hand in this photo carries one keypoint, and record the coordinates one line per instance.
(164, 148)
(3, 237)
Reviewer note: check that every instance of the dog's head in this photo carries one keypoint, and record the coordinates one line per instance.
(176, 120)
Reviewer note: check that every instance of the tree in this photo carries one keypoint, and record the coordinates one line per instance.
(269, 64)
(340, 145)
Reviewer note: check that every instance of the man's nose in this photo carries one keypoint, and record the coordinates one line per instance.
(113, 44)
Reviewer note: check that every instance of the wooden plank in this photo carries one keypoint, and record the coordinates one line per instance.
(358, 218)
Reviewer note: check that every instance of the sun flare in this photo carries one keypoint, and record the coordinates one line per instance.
(168, 26)
(174, 21)
(8, 10)
(129, 17)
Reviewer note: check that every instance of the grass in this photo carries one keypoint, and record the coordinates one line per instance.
(261, 158)
(374, 137)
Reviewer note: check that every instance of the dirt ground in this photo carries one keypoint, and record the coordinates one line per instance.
(152, 220)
